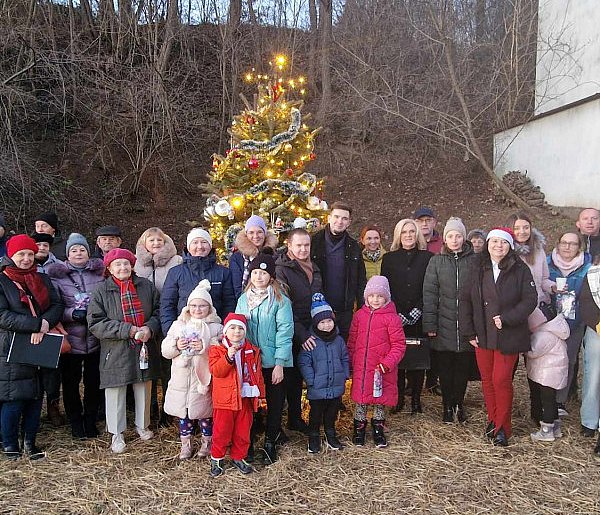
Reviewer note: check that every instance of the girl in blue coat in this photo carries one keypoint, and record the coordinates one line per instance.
(325, 370)
(271, 328)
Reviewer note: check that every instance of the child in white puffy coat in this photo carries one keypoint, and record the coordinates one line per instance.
(547, 370)
(189, 395)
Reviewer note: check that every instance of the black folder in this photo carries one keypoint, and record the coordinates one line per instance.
(46, 354)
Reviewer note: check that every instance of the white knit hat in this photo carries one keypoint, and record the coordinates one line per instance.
(198, 232)
(201, 292)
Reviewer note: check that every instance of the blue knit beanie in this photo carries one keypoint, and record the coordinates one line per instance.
(320, 309)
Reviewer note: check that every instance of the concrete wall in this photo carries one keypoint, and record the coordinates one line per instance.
(568, 53)
(560, 152)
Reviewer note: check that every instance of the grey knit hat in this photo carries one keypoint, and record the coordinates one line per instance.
(77, 239)
(455, 224)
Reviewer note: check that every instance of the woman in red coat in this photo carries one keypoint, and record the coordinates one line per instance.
(376, 345)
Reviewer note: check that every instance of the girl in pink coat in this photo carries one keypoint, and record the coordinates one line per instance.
(376, 345)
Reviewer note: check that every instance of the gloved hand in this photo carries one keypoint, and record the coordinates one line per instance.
(79, 315)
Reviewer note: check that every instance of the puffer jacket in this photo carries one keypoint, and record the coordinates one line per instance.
(245, 249)
(189, 393)
(547, 361)
(446, 275)
(376, 337)
(325, 368)
(181, 281)
(75, 288)
(119, 362)
(271, 328)
(300, 291)
(21, 382)
(534, 251)
(155, 267)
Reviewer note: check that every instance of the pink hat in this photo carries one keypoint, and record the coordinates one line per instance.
(380, 285)
(119, 253)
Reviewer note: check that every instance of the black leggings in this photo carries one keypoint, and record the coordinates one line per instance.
(415, 383)
(454, 369)
(543, 402)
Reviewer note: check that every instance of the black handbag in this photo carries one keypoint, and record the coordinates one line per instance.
(417, 355)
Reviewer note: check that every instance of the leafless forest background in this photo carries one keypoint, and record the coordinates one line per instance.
(103, 103)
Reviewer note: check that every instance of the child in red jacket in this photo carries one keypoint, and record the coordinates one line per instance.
(237, 386)
(376, 345)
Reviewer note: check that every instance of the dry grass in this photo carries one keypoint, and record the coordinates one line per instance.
(428, 467)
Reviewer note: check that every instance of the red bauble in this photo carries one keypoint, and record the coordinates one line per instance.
(253, 163)
(312, 156)
(227, 151)
(250, 120)
(289, 172)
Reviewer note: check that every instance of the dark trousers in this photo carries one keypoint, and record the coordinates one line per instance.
(275, 396)
(543, 402)
(432, 375)
(165, 376)
(51, 383)
(13, 412)
(74, 367)
(293, 388)
(414, 378)
(343, 319)
(323, 411)
(454, 369)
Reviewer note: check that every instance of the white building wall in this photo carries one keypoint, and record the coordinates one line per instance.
(559, 152)
(568, 52)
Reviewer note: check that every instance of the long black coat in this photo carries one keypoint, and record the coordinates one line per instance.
(300, 292)
(405, 271)
(21, 382)
(355, 273)
(516, 298)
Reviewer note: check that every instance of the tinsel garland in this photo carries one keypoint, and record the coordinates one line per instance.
(287, 187)
(230, 236)
(278, 139)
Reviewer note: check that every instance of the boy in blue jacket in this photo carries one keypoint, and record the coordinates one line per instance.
(325, 370)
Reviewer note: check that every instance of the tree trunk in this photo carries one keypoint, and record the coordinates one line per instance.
(314, 43)
(326, 22)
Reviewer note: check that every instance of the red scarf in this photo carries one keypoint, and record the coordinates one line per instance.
(130, 302)
(32, 282)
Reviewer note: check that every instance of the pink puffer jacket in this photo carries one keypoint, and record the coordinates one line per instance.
(375, 337)
(547, 361)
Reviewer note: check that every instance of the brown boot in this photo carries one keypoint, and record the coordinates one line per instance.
(55, 417)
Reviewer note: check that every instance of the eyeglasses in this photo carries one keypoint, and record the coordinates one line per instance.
(569, 243)
(199, 306)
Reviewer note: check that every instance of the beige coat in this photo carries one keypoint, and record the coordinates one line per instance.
(189, 391)
(155, 267)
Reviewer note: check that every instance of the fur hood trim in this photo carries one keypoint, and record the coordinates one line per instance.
(161, 258)
(537, 242)
(248, 249)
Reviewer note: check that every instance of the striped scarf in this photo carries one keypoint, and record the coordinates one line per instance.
(131, 304)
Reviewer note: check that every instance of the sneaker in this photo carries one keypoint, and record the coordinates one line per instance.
(145, 434)
(33, 452)
(314, 444)
(332, 441)
(544, 434)
(118, 443)
(242, 466)
(216, 467)
(562, 411)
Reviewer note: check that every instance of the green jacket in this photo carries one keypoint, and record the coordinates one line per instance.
(119, 363)
(270, 328)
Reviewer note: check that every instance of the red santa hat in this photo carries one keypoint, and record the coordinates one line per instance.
(234, 319)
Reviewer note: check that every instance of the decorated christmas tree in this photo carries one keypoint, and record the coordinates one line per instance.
(264, 172)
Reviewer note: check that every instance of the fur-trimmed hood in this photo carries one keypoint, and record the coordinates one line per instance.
(537, 242)
(161, 258)
(248, 249)
(60, 270)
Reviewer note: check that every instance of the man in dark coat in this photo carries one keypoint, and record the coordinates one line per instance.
(48, 223)
(108, 237)
(303, 278)
(339, 257)
(588, 223)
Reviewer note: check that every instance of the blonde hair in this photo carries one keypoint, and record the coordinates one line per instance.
(279, 290)
(397, 244)
(151, 230)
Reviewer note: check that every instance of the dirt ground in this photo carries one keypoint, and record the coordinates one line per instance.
(429, 467)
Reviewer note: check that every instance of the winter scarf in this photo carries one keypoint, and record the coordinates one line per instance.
(528, 250)
(593, 277)
(246, 373)
(372, 255)
(305, 264)
(31, 281)
(566, 267)
(325, 336)
(130, 303)
(255, 296)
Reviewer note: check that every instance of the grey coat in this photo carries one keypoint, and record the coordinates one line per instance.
(119, 363)
(446, 274)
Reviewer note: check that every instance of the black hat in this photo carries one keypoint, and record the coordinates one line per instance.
(264, 261)
(40, 237)
(108, 230)
(50, 218)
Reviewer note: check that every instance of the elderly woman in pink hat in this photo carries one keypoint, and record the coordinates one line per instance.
(123, 315)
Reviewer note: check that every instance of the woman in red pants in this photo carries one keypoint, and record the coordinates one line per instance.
(493, 316)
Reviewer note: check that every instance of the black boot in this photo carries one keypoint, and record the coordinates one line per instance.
(448, 415)
(360, 429)
(77, 429)
(415, 406)
(314, 443)
(460, 413)
(89, 426)
(378, 434)
(332, 440)
(32, 451)
(216, 467)
(500, 439)
(12, 452)
(597, 448)
(270, 452)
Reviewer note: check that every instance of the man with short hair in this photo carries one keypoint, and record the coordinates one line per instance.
(339, 257)
(588, 223)
(303, 278)
(426, 220)
(43, 256)
(47, 223)
(108, 237)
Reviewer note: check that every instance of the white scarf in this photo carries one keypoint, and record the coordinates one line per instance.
(593, 277)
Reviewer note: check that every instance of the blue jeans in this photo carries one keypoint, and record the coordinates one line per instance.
(11, 414)
(590, 394)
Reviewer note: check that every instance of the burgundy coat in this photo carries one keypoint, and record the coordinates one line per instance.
(375, 337)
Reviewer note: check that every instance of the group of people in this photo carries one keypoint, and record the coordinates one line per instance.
(232, 346)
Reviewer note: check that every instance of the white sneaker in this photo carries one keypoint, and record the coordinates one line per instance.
(118, 443)
(544, 434)
(145, 434)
